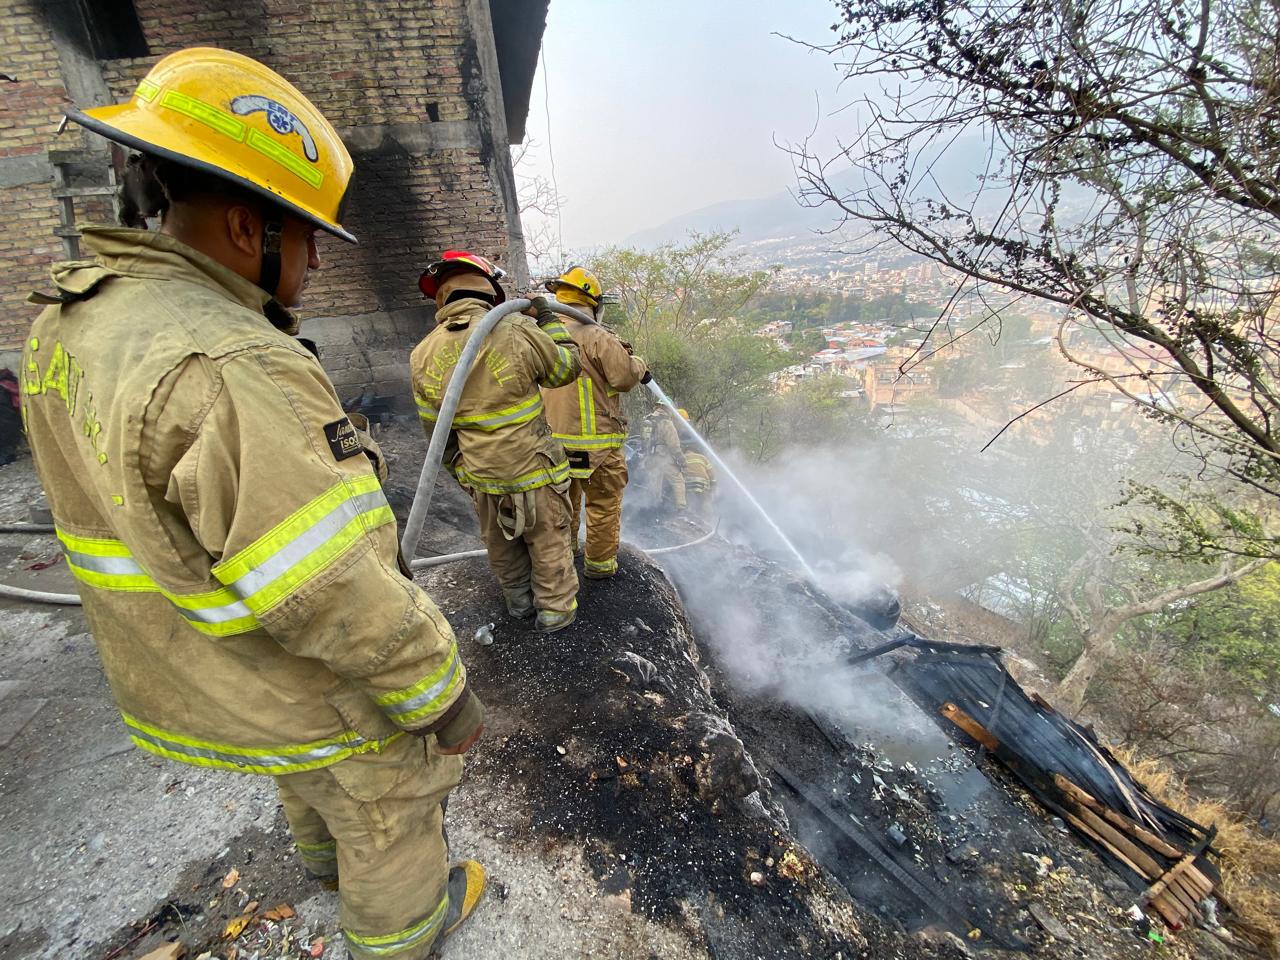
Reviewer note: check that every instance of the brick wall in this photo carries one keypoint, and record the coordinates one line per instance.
(366, 64)
(28, 115)
(30, 108)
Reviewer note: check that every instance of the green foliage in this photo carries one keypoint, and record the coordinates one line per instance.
(680, 307)
(806, 342)
(1237, 628)
(814, 413)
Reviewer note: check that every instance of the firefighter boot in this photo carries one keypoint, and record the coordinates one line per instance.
(519, 602)
(467, 882)
(549, 621)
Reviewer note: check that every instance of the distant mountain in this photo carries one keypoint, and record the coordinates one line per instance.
(761, 218)
(781, 215)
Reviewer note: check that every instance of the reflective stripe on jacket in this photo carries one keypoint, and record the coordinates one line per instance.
(236, 556)
(699, 475)
(503, 442)
(586, 416)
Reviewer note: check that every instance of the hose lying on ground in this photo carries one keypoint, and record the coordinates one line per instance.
(26, 528)
(39, 596)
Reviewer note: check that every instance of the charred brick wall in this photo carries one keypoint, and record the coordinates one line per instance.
(29, 108)
(403, 80)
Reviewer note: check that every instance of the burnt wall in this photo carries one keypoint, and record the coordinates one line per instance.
(401, 80)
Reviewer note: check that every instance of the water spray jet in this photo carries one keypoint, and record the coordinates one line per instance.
(706, 448)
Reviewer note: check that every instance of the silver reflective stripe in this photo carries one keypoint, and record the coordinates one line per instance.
(247, 760)
(563, 366)
(119, 566)
(382, 946)
(232, 611)
(527, 414)
(427, 695)
(311, 539)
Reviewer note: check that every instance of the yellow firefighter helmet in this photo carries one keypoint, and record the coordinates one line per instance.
(230, 116)
(576, 286)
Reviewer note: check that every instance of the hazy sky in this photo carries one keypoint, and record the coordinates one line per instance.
(661, 107)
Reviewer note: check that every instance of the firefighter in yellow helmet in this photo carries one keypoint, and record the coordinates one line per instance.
(236, 557)
(586, 416)
(506, 457)
(667, 461)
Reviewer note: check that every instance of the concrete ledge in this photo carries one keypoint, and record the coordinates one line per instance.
(414, 137)
(25, 169)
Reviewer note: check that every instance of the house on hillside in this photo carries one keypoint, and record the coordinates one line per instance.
(427, 97)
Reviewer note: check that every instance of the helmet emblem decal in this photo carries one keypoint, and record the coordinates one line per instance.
(282, 120)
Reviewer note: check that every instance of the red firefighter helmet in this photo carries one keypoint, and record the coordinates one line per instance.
(454, 261)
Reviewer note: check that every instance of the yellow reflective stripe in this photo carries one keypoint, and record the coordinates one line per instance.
(419, 934)
(275, 761)
(318, 851)
(305, 543)
(598, 441)
(286, 158)
(209, 115)
(146, 91)
(528, 481)
(589, 426)
(563, 371)
(426, 411)
(429, 695)
(522, 412)
(108, 565)
(582, 403)
(601, 566)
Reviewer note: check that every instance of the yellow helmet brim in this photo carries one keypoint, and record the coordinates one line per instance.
(126, 125)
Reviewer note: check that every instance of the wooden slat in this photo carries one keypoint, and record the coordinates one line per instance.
(1139, 832)
(1170, 877)
(68, 193)
(969, 725)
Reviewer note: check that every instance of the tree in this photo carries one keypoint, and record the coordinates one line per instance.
(806, 342)
(1123, 157)
(679, 305)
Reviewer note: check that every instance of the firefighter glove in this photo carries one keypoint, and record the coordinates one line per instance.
(460, 723)
(541, 308)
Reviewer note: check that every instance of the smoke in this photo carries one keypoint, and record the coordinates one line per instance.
(889, 513)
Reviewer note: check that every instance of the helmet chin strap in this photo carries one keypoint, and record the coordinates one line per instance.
(272, 231)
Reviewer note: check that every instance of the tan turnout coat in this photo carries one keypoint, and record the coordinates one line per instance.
(236, 556)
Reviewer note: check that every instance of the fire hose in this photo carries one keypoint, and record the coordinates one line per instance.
(449, 406)
(430, 466)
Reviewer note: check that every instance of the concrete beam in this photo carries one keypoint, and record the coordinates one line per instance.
(81, 73)
(414, 137)
(23, 170)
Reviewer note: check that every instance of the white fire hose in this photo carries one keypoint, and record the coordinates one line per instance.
(426, 480)
(449, 406)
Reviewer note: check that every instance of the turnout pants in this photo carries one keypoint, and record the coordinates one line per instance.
(670, 480)
(374, 822)
(539, 556)
(602, 492)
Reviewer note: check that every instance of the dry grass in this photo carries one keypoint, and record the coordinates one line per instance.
(1250, 861)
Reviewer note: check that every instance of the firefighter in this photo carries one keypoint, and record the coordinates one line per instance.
(699, 481)
(586, 416)
(506, 457)
(667, 458)
(236, 556)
